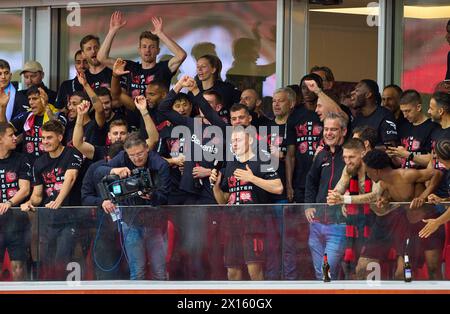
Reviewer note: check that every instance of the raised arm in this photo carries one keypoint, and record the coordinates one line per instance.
(97, 105)
(152, 132)
(180, 54)
(87, 149)
(115, 24)
(329, 104)
(117, 95)
(4, 99)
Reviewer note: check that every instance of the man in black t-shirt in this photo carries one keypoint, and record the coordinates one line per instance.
(304, 134)
(439, 112)
(68, 87)
(245, 181)
(97, 74)
(447, 36)
(414, 132)
(390, 99)
(29, 123)
(15, 177)
(253, 101)
(54, 175)
(141, 74)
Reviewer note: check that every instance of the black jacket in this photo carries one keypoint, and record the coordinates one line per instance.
(323, 175)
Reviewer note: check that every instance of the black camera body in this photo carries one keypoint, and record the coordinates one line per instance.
(140, 182)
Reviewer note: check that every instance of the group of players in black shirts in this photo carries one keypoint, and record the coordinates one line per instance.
(70, 143)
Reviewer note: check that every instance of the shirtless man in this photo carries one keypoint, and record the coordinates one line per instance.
(394, 223)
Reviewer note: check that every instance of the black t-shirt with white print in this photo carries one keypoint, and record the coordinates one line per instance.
(101, 79)
(243, 192)
(279, 139)
(32, 138)
(170, 147)
(137, 80)
(381, 120)
(12, 169)
(438, 134)
(50, 172)
(305, 132)
(416, 139)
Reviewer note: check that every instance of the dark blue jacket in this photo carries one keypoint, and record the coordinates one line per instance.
(155, 163)
(90, 195)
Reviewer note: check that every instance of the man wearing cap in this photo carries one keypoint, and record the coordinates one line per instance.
(33, 75)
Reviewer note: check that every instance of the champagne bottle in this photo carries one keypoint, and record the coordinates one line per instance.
(326, 269)
(407, 266)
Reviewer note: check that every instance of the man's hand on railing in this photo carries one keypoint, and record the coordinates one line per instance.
(27, 206)
(53, 204)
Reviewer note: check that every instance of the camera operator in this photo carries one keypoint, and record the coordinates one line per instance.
(106, 251)
(143, 228)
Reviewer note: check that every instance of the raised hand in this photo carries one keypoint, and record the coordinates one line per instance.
(119, 67)
(81, 77)
(4, 98)
(83, 107)
(157, 25)
(312, 86)
(117, 21)
(141, 103)
(43, 96)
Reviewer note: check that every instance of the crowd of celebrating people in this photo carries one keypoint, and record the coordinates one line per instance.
(360, 180)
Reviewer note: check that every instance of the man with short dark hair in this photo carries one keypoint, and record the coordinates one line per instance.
(29, 124)
(140, 74)
(54, 175)
(14, 102)
(15, 177)
(96, 74)
(145, 228)
(414, 133)
(390, 99)
(394, 224)
(253, 101)
(68, 87)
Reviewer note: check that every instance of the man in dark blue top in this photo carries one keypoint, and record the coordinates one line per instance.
(143, 228)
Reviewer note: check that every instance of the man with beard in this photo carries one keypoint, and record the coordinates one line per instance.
(68, 87)
(97, 74)
(253, 101)
(141, 74)
(390, 99)
(354, 187)
(33, 74)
